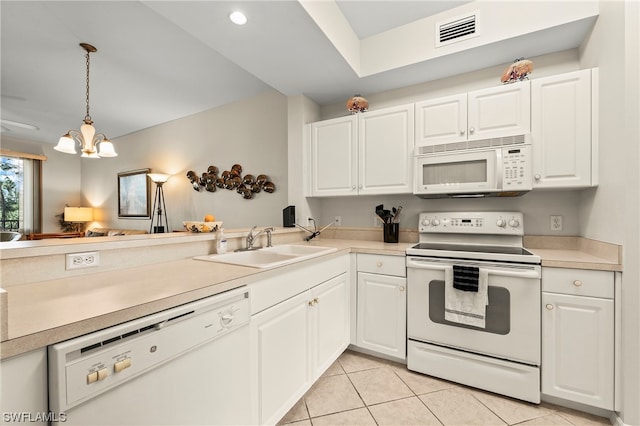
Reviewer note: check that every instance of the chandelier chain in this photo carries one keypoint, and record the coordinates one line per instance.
(88, 116)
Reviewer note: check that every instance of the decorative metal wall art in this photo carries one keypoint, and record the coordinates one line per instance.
(247, 186)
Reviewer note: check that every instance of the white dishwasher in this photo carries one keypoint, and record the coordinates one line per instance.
(183, 366)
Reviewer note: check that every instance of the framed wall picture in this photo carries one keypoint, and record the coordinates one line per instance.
(134, 189)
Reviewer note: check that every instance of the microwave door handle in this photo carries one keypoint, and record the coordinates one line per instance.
(499, 167)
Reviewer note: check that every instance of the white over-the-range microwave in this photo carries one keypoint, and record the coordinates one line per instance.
(489, 167)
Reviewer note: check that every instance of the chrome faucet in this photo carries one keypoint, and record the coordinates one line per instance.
(251, 237)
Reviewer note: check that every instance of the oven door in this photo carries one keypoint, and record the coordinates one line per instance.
(512, 329)
(472, 172)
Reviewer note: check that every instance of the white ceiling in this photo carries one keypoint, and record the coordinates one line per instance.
(161, 60)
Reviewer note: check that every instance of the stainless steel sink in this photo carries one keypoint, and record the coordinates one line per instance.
(269, 257)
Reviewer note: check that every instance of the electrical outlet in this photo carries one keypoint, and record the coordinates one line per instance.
(338, 221)
(555, 223)
(377, 223)
(82, 260)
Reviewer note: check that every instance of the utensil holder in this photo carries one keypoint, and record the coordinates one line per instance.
(390, 232)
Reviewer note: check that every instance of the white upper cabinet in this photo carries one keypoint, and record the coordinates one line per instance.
(385, 151)
(334, 154)
(367, 153)
(442, 120)
(563, 130)
(494, 112)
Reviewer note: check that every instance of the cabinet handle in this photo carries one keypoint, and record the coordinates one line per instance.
(549, 307)
(360, 186)
(471, 130)
(401, 288)
(537, 177)
(577, 283)
(461, 132)
(353, 188)
(310, 302)
(379, 264)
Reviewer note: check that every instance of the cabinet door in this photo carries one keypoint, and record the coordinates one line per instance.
(334, 151)
(23, 386)
(499, 111)
(330, 323)
(280, 353)
(441, 120)
(385, 154)
(578, 349)
(561, 130)
(382, 312)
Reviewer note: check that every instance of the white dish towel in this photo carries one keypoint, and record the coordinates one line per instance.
(466, 307)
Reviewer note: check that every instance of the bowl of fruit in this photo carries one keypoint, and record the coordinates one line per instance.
(209, 224)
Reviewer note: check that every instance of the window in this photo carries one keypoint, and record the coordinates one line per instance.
(20, 207)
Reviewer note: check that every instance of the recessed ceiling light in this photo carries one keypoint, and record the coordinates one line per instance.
(238, 18)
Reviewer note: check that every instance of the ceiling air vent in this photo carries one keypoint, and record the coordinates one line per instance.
(457, 29)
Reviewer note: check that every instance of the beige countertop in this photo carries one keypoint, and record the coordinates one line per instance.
(46, 312)
(50, 311)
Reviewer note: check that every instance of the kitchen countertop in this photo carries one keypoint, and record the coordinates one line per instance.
(47, 312)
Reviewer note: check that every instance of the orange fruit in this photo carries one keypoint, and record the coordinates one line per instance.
(209, 218)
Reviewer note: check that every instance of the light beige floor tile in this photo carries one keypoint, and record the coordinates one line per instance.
(458, 407)
(354, 361)
(330, 395)
(581, 418)
(408, 411)
(297, 412)
(379, 385)
(550, 420)
(306, 422)
(510, 410)
(421, 383)
(357, 417)
(334, 369)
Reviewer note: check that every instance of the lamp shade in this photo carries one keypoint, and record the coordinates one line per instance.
(158, 177)
(66, 144)
(78, 214)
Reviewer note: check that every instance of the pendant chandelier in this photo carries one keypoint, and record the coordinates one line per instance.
(87, 138)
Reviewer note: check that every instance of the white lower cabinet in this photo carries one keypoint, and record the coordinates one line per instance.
(23, 387)
(294, 342)
(578, 339)
(382, 305)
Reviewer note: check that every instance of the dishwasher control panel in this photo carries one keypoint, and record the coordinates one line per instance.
(82, 368)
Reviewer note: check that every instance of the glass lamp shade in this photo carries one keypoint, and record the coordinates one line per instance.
(78, 214)
(66, 144)
(107, 149)
(88, 132)
(158, 177)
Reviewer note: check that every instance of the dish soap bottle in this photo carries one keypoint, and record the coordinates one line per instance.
(221, 242)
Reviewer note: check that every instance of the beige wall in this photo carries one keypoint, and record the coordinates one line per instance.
(251, 132)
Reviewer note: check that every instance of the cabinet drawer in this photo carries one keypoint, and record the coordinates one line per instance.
(578, 281)
(381, 264)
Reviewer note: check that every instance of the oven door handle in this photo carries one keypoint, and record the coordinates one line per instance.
(532, 274)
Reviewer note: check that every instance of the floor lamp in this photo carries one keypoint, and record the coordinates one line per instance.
(158, 205)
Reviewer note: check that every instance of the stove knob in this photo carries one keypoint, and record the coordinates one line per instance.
(436, 222)
(501, 223)
(514, 223)
(426, 222)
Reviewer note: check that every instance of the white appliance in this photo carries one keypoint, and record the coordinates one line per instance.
(187, 365)
(503, 355)
(488, 167)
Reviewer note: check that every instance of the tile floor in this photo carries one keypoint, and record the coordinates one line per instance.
(362, 390)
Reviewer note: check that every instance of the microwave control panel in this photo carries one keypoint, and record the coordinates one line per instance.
(516, 168)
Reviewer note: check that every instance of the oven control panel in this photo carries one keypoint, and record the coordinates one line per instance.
(498, 223)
